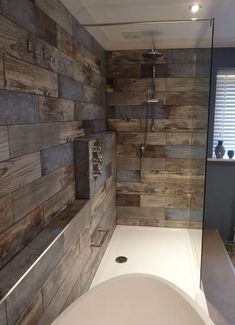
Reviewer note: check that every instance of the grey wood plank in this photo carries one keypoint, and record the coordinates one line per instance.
(6, 213)
(17, 108)
(21, 76)
(83, 36)
(55, 109)
(55, 157)
(57, 12)
(34, 194)
(16, 173)
(71, 89)
(19, 234)
(23, 294)
(2, 81)
(181, 56)
(60, 272)
(28, 138)
(135, 111)
(33, 312)
(4, 144)
(65, 42)
(27, 15)
(3, 317)
(88, 111)
(58, 202)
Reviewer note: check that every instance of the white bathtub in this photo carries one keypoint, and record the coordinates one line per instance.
(136, 299)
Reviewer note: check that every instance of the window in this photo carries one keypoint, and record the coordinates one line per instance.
(224, 122)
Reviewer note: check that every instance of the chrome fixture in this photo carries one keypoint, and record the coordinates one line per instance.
(97, 159)
(152, 54)
(102, 241)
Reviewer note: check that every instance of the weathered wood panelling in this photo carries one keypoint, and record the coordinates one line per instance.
(34, 194)
(52, 76)
(17, 108)
(27, 15)
(173, 166)
(2, 82)
(20, 233)
(58, 202)
(21, 76)
(55, 157)
(16, 173)
(57, 12)
(69, 130)
(4, 144)
(14, 40)
(28, 138)
(6, 213)
(55, 109)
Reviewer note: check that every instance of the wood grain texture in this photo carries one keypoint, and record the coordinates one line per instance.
(190, 112)
(56, 157)
(153, 138)
(2, 81)
(124, 124)
(88, 111)
(187, 84)
(4, 144)
(16, 173)
(27, 15)
(55, 109)
(21, 76)
(57, 12)
(19, 234)
(58, 202)
(34, 194)
(33, 312)
(67, 175)
(141, 85)
(28, 138)
(6, 213)
(69, 130)
(17, 108)
(14, 40)
(65, 41)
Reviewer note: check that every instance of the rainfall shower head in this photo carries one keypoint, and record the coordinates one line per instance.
(152, 54)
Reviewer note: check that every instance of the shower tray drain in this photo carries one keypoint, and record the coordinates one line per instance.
(121, 259)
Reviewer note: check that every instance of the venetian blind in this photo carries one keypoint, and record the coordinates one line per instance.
(224, 122)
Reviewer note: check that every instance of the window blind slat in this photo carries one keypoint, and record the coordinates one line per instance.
(224, 120)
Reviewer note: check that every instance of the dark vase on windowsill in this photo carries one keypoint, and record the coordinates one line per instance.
(219, 150)
(230, 154)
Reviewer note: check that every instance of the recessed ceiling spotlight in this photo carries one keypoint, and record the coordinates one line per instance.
(195, 7)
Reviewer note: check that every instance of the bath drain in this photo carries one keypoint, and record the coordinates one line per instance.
(121, 259)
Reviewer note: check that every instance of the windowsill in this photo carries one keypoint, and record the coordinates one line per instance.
(215, 160)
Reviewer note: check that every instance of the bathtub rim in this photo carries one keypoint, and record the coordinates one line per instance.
(206, 318)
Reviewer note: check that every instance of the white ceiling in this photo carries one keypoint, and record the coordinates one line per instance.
(175, 35)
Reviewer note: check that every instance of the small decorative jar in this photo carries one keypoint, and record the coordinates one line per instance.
(230, 154)
(219, 150)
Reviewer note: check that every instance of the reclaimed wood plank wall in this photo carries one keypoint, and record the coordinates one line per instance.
(52, 89)
(174, 161)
